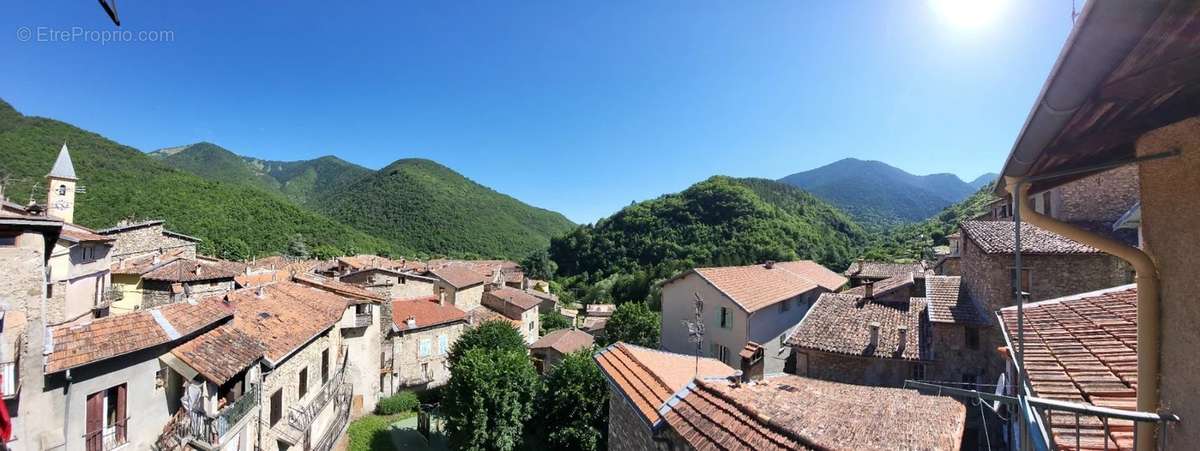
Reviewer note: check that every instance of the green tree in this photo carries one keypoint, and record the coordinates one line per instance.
(489, 398)
(326, 252)
(633, 323)
(296, 248)
(573, 409)
(552, 321)
(539, 265)
(492, 335)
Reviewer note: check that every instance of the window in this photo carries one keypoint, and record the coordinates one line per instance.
(1026, 280)
(785, 305)
(303, 389)
(726, 318)
(62, 190)
(325, 366)
(1046, 210)
(425, 370)
(424, 347)
(362, 309)
(276, 406)
(282, 445)
(160, 378)
(972, 338)
(105, 421)
(917, 372)
(8, 240)
(719, 352)
(531, 324)
(968, 381)
(443, 344)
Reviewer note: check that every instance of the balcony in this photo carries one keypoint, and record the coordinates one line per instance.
(360, 318)
(209, 431)
(107, 439)
(10, 370)
(300, 418)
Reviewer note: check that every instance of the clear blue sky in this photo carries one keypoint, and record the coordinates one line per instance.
(580, 107)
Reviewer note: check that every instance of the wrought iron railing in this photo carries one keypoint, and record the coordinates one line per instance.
(107, 439)
(341, 419)
(300, 418)
(362, 319)
(211, 429)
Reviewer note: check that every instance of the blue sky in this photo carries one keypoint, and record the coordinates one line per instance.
(579, 107)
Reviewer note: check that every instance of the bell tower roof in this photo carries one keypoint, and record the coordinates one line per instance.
(63, 168)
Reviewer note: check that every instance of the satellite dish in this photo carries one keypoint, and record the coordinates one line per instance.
(110, 7)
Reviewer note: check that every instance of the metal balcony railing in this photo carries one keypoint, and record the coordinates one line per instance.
(11, 384)
(300, 418)
(107, 439)
(196, 426)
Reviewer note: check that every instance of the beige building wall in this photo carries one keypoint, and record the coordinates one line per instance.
(1171, 228)
(80, 277)
(363, 345)
(409, 366)
(130, 288)
(465, 299)
(678, 305)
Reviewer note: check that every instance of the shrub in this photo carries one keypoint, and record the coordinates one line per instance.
(430, 396)
(404, 401)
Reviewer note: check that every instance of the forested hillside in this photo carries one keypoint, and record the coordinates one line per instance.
(122, 182)
(913, 242)
(720, 221)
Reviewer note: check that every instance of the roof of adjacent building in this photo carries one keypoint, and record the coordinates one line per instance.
(483, 313)
(600, 309)
(831, 415)
(510, 301)
(565, 341)
(220, 354)
(127, 226)
(425, 311)
(1082, 348)
(279, 262)
(285, 315)
(648, 377)
(77, 234)
(260, 277)
(188, 270)
(707, 419)
(75, 345)
(882, 270)
(458, 276)
(755, 287)
(885, 286)
(63, 168)
(354, 292)
(594, 324)
(949, 303)
(996, 237)
(839, 323)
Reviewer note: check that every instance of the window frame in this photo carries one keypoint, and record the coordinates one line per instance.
(325, 365)
(424, 347)
(971, 337)
(276, 407)
(302, 385)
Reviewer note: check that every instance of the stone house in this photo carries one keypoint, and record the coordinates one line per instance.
(1097, 198)
(419, 340)
(137, 239)
(862, 340)
(392, 284)
(152, 280)
(742, 304)
(461, 286)
(549, 350)
(962, 336)
(666, 401)
(518, 306)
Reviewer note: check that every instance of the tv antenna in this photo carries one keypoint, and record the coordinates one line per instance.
(696, 329)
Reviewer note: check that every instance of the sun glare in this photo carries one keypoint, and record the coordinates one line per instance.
(967, 13)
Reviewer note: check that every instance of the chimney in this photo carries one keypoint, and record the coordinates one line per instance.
(860, 265)
(442, 296)
(411, 322)
(770, 264)
(260, 292)
(752, 362)
(902, 333)
(874, 328)
(869, 289)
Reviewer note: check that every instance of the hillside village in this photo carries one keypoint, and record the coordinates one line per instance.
(1060, 317)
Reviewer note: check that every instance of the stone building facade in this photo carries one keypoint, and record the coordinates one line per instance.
(149, 237)
(295, 392)
(855, 369)
(627, 431)
(419, 356)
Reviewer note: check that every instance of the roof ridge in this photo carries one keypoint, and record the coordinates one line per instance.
(708, 388)
(1074, 297)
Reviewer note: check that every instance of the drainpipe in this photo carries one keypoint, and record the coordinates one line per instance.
(1148, 327)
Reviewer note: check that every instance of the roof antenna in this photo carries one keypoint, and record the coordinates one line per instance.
(696, 330)
(110, 7)
(1074, 12)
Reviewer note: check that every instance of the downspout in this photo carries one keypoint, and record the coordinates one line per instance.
(1148, 325)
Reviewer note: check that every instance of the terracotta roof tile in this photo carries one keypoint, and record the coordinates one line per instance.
(885, 286)
(839, 323)
(261, 277)
(996, 237)
(755, 286)
(355, 292)
(186, 270)
(948, 303)
(565, 341)
(708, 420)
(80, 344)
(458, 276)
(80, 235)
(882, 270)
(286, 316)
(1083, 348)
(510, 301)
(220, 354)
(649, 377)
(425, 311)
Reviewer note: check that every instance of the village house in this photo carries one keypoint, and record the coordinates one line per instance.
(137, 239)
(742, 304)
(962, 336)
(392, 283)
(1112, 100)
(419, 339)
(549, 350)
(518, 306)
(667, 401)
(151, 280)
(862, 271)
(460, 286)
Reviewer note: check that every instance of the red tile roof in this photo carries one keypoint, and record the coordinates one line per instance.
(80, 235)
(708, 420)
(755, 287)
(185, 270)
(649, 377)
(1083, 348)
(510, 301)
(948, 303)
(286, 316)
(996, 237)
(112, 336)
(459, 277)
(352, 291)
(883, 270)
(565, 341)
(261, 277)
(839, 323)
(220, 354)
(425, 311)
(885, 286)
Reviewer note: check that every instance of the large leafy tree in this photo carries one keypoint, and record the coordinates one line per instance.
(491, 335)
(573, 410)
(633, 323)
(552, 321)
(489, 399)
(539, 265)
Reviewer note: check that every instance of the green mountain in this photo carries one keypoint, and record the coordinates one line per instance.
(420, 204)
(720, 221)
(300, 181)
(881, 196)
(235, 221)
(983, 180)
(911, 242)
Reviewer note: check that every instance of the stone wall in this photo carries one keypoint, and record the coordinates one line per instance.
(627, 431)
(156, 293)
(988, 277)
(852, 369)
(1170, 214)
(408, 367)
(952, 358)
(1103, 197)
(147, 240)
(286, 378)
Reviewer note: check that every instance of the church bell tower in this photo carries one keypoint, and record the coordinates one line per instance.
(60, 200)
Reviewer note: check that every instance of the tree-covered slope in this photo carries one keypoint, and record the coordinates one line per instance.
(878, 195)
(122, 182)
(420, 204)
(720, 221)
(912, 242)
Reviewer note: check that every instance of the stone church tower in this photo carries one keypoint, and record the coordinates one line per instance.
(60, 201)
